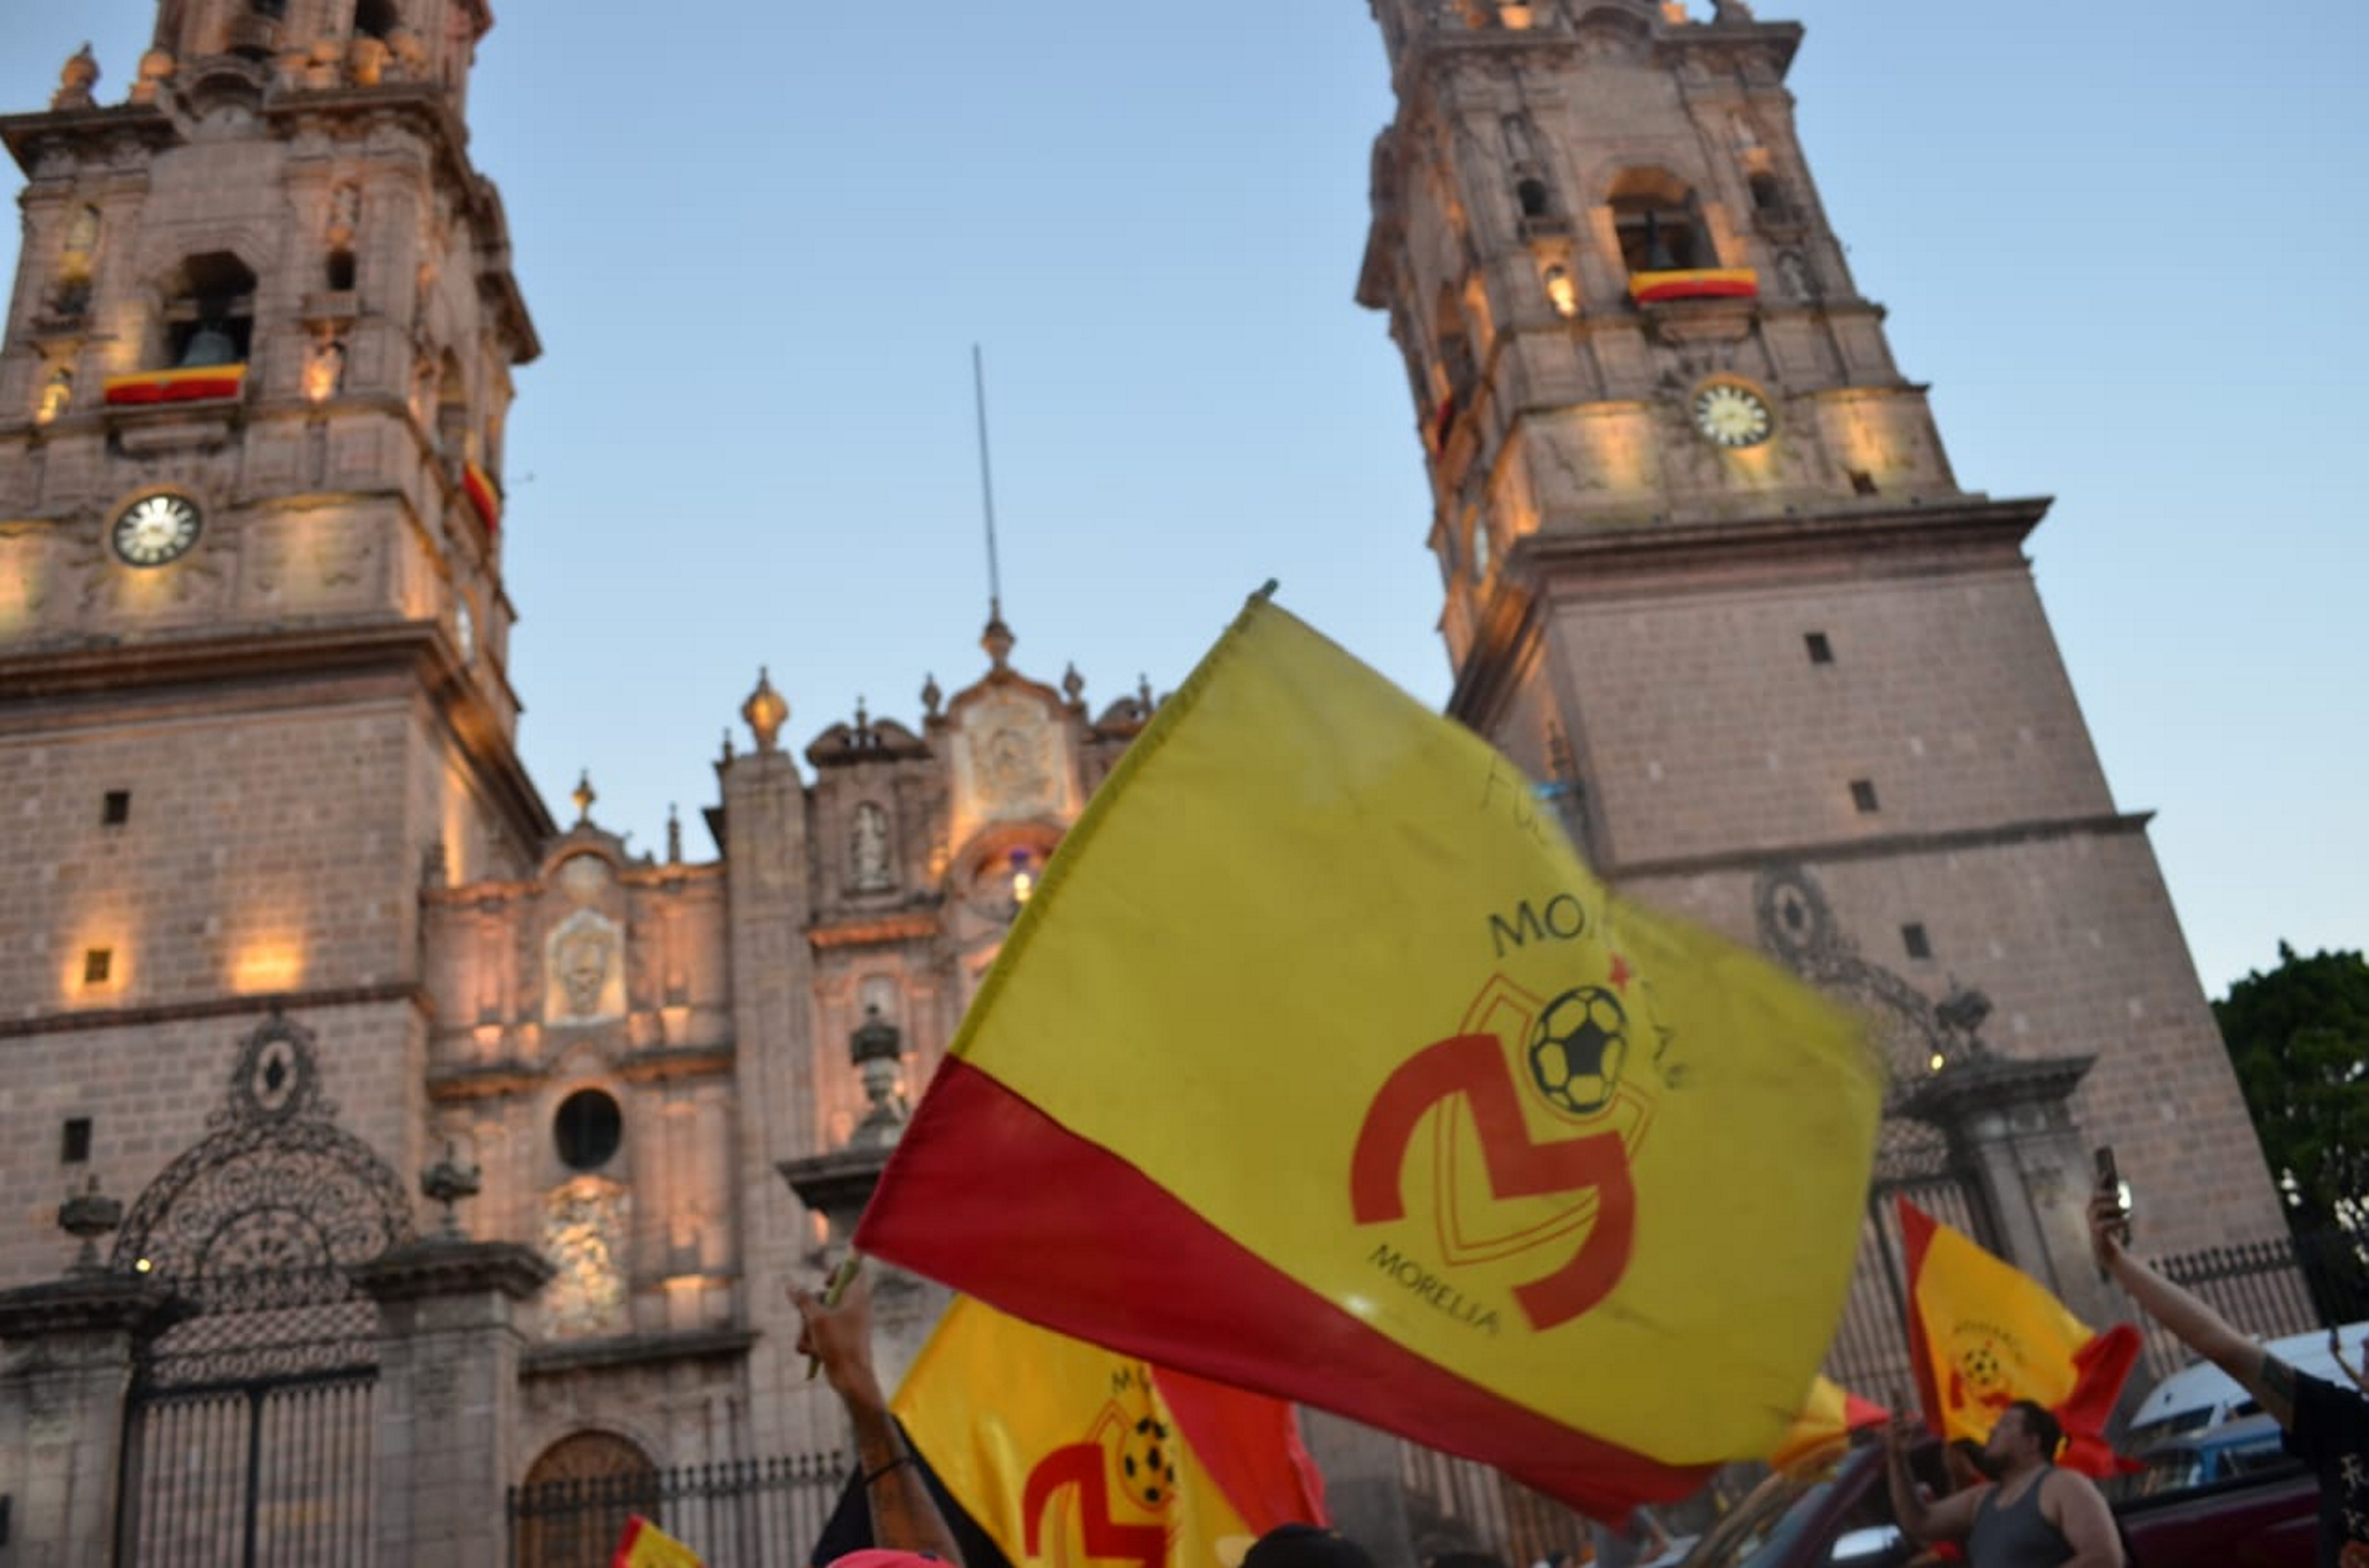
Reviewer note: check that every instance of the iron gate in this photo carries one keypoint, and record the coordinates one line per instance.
(249, 1428)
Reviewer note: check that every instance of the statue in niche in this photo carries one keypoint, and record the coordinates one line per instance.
(324, 370)
(55, 396)
(586, 980)
(584, 1238)
(870, 848)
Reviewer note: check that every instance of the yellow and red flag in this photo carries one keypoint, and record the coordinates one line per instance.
(1829, 1416)
(1064, 1452)
(1321, 1065)
(1983, 1335)
(645, 1546)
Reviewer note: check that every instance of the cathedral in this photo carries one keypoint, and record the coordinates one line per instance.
(385, 1143)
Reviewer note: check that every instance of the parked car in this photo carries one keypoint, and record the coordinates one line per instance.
(2201, 1395)
(1833, 1510)
(2236, 1447)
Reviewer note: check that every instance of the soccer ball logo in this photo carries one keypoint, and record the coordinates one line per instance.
(1577, 1047)
(1148, 1464)
(1981, 1366)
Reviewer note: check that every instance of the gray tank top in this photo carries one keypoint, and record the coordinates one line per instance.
(2017, 1535)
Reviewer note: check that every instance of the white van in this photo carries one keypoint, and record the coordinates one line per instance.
(2202, 1395)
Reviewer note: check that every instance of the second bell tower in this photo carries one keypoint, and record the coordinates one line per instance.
(1708, 572)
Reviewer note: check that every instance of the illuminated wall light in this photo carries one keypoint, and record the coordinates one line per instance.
(1023, 881)
(271, 963)
(1562, 292)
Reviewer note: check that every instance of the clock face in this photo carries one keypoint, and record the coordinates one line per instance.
(156, 529)
(1728, 414)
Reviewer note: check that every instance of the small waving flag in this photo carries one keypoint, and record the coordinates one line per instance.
(645, 1546)
(1320, 1065)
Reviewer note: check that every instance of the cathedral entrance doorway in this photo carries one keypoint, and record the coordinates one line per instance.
(249, 1432)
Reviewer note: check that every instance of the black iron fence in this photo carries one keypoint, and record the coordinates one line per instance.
(2269, 1289)
(756, 1512)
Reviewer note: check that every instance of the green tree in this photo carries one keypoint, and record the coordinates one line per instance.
(2298, 1037)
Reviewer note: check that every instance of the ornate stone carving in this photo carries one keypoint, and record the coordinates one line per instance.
(583, 971)
(1798, 927)
(584, 1232)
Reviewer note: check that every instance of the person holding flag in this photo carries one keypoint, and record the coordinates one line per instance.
(838, 1337)
(2327, 1427)
(2036, 1515)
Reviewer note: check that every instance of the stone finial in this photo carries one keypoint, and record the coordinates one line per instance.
(86, 1216)
(766, 712)
(863, 721)
(584, 795)
(674, 835)
(997, 639)
(1073, 684)
(76, 78)
(931, 696)
(1143, 693)
(447, 1181)
(876, 1048)
(156, 68)
(726, 758)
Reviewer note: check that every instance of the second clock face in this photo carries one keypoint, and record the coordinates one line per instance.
(1730, 414)
(156, 529)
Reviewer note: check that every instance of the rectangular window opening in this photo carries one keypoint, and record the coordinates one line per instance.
(116, 809)
(1822, 652)
(1863, 482)
(1863, 793)
(97, 965)
(1913, 939)
(75, 1145)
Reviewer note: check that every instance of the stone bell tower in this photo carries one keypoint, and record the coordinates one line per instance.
(253, 633)
(1706, 570)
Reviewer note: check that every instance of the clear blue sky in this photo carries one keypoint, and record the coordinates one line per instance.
(759, 239)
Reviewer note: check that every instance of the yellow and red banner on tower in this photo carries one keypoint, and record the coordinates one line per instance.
(1064, 1452)
(1983, 1334)
(1320, 1065)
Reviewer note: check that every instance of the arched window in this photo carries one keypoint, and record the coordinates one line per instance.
(1659, 224)
(377, 18)
(577, 1497)
(1457, 366)
(209, 316)
(452, 410)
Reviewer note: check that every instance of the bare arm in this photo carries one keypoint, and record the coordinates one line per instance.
(1923, 1522)
(904, 1516)
(2202, 1329)
(2083, 1518)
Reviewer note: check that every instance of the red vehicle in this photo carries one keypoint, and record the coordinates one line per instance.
(1834, 1511)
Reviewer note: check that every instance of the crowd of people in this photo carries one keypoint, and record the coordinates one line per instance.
(2012, 1507)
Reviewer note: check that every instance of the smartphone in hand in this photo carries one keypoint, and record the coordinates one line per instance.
(2110, 1185)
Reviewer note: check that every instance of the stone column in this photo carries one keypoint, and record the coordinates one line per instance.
(2013, 1124)
(448, 1404)
(68, 1366)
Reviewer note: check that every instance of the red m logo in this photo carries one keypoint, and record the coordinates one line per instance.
(1082, 1465)
(1473, 1065)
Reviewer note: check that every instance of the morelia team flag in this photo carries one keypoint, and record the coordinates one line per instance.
(1319, 1065)
(1829, 1416)
(645, 1546)
(1061, 1451)
(1983, 1335)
